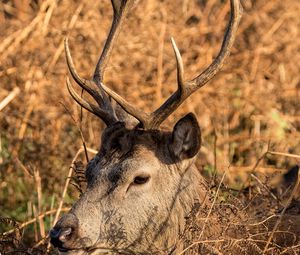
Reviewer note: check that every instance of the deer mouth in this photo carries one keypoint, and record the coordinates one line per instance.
(63, 250)
(66, 251)
(102, 251)
(91, 251)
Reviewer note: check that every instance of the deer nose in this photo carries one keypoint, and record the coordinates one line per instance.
(64, 232)
(61, 234)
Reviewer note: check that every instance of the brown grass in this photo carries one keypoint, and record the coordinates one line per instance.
(250, 108)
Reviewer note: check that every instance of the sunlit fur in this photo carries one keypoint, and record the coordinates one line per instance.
(116, 214)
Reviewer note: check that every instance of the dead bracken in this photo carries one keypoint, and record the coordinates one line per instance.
(248, 116)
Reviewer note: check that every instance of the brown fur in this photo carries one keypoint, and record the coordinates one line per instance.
(169, 213)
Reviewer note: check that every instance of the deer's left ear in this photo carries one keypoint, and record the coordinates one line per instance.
(186, 137)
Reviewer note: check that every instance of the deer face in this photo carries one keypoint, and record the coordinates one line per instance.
(141, 186)
(142, 183)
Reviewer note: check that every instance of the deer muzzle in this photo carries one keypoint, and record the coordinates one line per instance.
(65, 232)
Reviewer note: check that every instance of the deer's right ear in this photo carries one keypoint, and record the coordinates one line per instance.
(186, 137)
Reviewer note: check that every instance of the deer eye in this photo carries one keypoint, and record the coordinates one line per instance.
(141, 180)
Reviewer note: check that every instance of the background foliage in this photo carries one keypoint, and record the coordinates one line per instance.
(250, 107)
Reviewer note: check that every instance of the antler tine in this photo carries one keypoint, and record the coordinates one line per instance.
(180, 68)
(88, 106)
(120, 8)
(148, 121)
(229, 37)
(191, 86)
(105, 110)
(185, 89)
(83, 83)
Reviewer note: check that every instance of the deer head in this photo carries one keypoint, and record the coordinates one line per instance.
(143, 181)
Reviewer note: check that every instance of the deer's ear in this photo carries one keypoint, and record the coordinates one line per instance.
(186, 137)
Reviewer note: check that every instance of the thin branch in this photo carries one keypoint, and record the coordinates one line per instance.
(209, 213)
(41, 216)
(9, 98)
(68, 181)
(284, 154)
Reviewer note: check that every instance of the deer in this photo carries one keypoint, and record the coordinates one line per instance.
(143, 184)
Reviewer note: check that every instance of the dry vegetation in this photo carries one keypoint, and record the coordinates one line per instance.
(249, 114)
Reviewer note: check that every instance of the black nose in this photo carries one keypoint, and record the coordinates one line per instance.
(61, 234)
(64, 232)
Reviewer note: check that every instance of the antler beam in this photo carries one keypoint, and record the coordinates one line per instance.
(94, 87)
(185, 89)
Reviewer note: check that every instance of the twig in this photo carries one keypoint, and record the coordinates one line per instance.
(255, 166)
(82, 149)
(24, 123)
(48, 15)
(209, 213)
(8, 71)
(68, 181)
(263, 221)
(79, 129)
(25, 224)
(60, 48)
(37, 179)
(261, 158)
(160, 58)
(66, 185)
(9, 98)
(51, 207)
(42, 241)
(215, 154)
(265, 187)
(224, 240)
(35, 214)
(284, 154)
(21, 165)
(290, 248)
(11, 43)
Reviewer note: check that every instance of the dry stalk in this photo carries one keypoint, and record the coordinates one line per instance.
(25, 120)
(78, 125)
(60, 48)
(21, 165)
(224, 240)
(41, 216)
(9, 98)
(214, 177)
(48, 15)
(11, 43)
(290, 249)
(68, 181)
(58, 211)
(208, 215)
(36, 238)
(265, 187)
(160, 59)
(259, 66)
(255, 166)
(263, 221)
(42, 241)
(51, 208)
(284, 154)
(8, 71)
(38, 184)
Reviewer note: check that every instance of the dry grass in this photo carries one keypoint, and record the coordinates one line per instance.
(249, 113)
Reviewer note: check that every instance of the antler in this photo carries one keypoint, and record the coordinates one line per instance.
(94, 87)
(185, 89)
